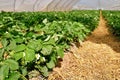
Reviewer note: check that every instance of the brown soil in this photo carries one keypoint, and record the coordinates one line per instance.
(98, 58)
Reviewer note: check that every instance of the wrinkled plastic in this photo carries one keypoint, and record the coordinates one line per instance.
(37, 5)
(58, 5)
(98, 4)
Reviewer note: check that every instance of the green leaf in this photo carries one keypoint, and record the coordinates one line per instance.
(14, 76)
(1, 53)
(48, 38)
(35, 45)
(47, 49)
(4, 70)
(24, 71)
(19, 40)
(18, 55)
(39, 45)
(4, 42)
(50, 64)
(86, 30)
(29, 55)
(53, 57)
(60, 52)
(42, 59)
(50, 42)
(81, 37)
(45, 73)
(20, 48)
(37, 28)
(32, 45)
(7, 35)
(30, 34)
(12, 45)
(43, 70)
(13, 65)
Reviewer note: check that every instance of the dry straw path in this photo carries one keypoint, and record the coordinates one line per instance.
(98, 58)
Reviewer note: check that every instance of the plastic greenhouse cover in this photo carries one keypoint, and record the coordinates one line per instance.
(98, 4)
(7, 5)
(61, 5)
(57, 5)
(31, 5)
(52, 5)
(23, 5)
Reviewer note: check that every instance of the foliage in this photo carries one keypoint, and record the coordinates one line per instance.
(113, 20)
(33, 40)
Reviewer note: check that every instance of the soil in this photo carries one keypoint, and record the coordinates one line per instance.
(98, 58)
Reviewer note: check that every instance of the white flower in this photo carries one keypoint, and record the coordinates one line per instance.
(37, 56)
(6, 32)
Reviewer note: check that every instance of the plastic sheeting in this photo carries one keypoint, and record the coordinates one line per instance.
(37, 5)
(23, 5)
(98, 4)
(58, 5)
(31, 5)
(7, 5)
(61, 5)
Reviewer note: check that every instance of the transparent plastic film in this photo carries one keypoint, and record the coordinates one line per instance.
(58, 5)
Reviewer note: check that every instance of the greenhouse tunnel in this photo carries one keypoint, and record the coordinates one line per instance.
(59, 39)
(58, 5)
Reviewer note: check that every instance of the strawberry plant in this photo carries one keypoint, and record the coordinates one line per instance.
(35, 41)
(113, 18)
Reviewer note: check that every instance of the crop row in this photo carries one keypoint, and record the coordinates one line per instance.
(36, 40)
(113, 20)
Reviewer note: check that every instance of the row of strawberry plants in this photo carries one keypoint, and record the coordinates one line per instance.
(30, 40)
(88, 18)
(113, 20)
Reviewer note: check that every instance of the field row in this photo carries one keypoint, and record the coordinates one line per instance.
(113, 20)
(36, 40)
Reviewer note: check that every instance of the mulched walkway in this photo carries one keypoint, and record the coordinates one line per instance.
(98, 58)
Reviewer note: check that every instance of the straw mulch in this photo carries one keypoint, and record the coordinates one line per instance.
(98, 58)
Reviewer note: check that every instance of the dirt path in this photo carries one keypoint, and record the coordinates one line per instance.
(98, 58)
